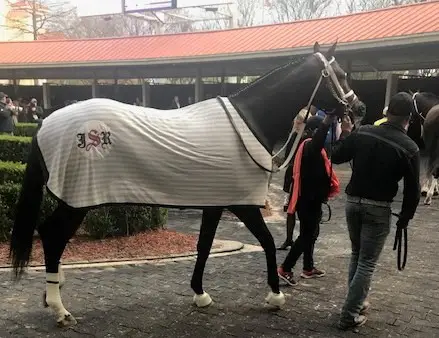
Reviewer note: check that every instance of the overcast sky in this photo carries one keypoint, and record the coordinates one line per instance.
(95, 7)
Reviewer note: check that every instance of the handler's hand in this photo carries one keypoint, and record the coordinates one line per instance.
(346, 124)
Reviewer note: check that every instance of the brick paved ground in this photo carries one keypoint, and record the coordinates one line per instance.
(155, 300)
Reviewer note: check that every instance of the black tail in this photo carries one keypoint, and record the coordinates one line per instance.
(27, 211)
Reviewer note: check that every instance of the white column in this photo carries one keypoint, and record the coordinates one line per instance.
(199, 95)
(46, 95)
(94, 88)
(391, 87)
(146, 93)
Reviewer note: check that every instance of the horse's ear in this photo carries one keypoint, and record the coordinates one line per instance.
(316, 47)
(331, 51)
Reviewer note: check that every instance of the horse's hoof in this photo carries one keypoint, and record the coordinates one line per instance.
(275, 299)
(67, 321)
(202, 300)
(427, 201)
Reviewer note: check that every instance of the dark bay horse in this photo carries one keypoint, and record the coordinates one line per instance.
(427, 111)
(266, 107)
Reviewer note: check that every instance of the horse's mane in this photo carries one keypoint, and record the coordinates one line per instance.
(427, 95)
(294, 63)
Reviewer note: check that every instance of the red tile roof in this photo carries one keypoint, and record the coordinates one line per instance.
(409, 20)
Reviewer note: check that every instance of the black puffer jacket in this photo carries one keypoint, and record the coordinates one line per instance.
(6, 122)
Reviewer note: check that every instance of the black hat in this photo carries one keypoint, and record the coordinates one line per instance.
(401, 104)
(313, 122)
(3, 95)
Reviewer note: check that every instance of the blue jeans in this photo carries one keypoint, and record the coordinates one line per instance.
(369, 226)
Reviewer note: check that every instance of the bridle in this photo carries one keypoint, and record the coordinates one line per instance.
(337, 92)
(415, 104)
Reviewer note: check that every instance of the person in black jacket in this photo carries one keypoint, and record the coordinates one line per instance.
(314, 191)
(381, 156)
(6, 121)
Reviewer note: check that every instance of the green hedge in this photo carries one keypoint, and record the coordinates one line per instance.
(14, 148)
(99, 223)
(25, 129)
(11, 172)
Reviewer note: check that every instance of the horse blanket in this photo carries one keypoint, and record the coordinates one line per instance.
(101, 151)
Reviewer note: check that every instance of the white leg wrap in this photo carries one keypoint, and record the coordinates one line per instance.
(432, 185)
(202, 300)
(275, 299)
(53, 299)
(425, 186)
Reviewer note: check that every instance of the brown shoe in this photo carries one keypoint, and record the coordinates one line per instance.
(356, 322)
(314, 273)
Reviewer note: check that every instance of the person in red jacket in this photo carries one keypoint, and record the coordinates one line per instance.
(313, 183)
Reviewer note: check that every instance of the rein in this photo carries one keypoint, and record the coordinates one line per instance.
(400, 236)
(333, 136)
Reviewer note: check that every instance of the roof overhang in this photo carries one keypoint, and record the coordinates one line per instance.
(393, 53)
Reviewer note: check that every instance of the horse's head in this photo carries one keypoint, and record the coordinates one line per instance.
(335, 89)
(270, 103)
(423, 102)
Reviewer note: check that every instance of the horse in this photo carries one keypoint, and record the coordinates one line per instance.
(427, 112)
(212, 155)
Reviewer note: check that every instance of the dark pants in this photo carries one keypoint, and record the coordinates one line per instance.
(369, 226)
(310, 215)
(288, 179)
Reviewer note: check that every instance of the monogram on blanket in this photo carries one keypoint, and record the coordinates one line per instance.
(189, 157)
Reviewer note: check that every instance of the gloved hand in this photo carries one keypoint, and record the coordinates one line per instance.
(402, 223)
(339, 111)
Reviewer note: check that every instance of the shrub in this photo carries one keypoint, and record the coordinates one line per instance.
(14, 148)
(122, 220)
(25, 129)
(99, 223)
(11, 172)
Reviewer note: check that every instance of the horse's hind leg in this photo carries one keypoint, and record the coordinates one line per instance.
(55, 233)
(253, 220)
(209, 224)
(432, 185)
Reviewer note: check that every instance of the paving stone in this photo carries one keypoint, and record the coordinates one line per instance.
(155, 300)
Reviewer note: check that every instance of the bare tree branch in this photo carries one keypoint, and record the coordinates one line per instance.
(35, 16)
(291, 10)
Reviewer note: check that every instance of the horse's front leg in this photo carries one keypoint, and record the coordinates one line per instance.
(209, 224)
(253, 220)
(55, 233)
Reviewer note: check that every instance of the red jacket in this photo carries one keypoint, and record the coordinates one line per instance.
(334, 182)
